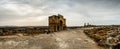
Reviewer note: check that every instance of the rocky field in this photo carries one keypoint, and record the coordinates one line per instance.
(108, 36)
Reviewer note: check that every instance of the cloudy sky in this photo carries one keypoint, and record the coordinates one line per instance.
(77, 12)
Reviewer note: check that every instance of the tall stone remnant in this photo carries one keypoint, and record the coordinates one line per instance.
(57, 23)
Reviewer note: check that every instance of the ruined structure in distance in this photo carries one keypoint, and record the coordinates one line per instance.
(57, 23)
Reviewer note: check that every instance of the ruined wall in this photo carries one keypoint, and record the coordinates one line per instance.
(57, 23)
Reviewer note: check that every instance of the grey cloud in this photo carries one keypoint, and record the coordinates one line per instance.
(74, 10)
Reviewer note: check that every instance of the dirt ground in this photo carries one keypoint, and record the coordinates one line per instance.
(67, 39)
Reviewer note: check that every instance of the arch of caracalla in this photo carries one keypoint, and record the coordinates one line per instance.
(57, 23)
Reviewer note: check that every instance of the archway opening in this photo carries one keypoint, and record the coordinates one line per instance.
(61, 22)
(60, 26)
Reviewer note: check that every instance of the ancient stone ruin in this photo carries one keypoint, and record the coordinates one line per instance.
(57, 23)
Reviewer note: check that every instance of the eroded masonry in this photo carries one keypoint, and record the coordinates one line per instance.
(56, 23)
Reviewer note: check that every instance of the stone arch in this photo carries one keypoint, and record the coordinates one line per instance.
(57, 23)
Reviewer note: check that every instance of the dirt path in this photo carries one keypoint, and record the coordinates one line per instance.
(75, 39)
(68, 39)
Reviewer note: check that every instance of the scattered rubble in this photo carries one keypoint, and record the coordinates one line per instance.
(108, 36)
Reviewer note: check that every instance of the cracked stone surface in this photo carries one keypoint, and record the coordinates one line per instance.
(68, 39)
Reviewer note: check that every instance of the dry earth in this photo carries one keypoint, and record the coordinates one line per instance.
(68, 39)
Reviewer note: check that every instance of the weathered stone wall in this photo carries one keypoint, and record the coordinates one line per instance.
(57, 23)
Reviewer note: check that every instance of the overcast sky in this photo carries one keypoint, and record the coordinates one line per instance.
(77, 12)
